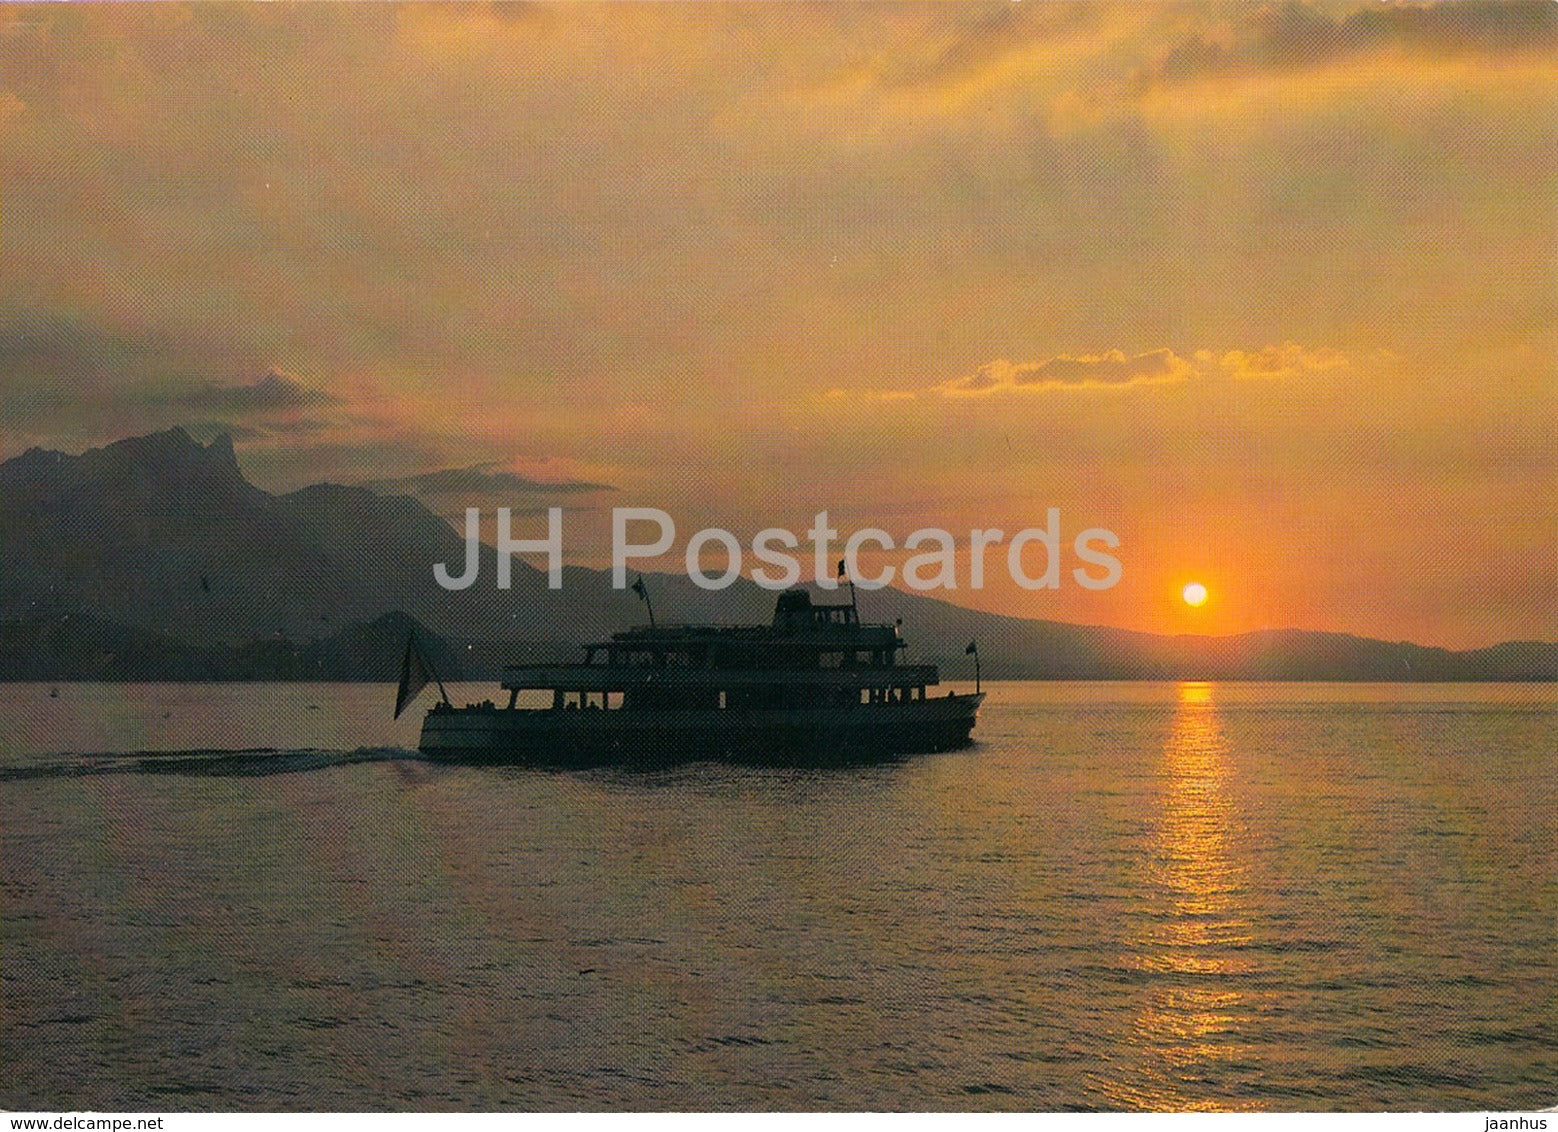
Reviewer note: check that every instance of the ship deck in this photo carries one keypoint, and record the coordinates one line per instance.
(622, 678)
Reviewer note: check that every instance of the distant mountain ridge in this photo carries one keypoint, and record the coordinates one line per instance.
(162, 535)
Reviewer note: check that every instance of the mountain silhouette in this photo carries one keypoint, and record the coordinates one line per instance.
(160, 543)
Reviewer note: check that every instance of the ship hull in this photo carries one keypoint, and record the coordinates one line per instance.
(798, 736)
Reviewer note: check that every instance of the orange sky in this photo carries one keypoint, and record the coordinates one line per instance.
(1267, 291)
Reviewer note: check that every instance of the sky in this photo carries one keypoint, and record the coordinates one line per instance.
(1266, 290)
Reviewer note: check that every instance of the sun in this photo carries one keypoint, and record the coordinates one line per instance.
(1194, 594)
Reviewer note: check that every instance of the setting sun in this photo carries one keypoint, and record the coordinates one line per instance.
(1194, 594)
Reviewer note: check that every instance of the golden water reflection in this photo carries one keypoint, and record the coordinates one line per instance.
(1196, 1017)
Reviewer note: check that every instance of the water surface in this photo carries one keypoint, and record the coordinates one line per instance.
(1125, 896)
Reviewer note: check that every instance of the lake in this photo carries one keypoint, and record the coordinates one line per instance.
(1124, 896)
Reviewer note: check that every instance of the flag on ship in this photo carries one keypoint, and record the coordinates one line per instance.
(642, 591)
(415, 673)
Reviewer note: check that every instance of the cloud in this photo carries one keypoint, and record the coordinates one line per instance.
(977, 43)
(1294, 36)
(1288, 360)
(275, 392)
(42, 346)
(1113, 369)
(481, 479)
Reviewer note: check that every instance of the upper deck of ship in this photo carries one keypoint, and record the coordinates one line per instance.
(799, 628)
(805, 643)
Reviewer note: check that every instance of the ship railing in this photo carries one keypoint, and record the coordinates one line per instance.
(601, 677)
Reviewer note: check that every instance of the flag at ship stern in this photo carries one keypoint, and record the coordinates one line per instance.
(415, 673)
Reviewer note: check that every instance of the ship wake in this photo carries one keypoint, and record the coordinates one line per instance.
(204, 763)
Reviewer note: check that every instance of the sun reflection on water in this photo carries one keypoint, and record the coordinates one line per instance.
(1196, 1015)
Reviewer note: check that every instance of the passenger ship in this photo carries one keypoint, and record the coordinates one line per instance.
(814, 687)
